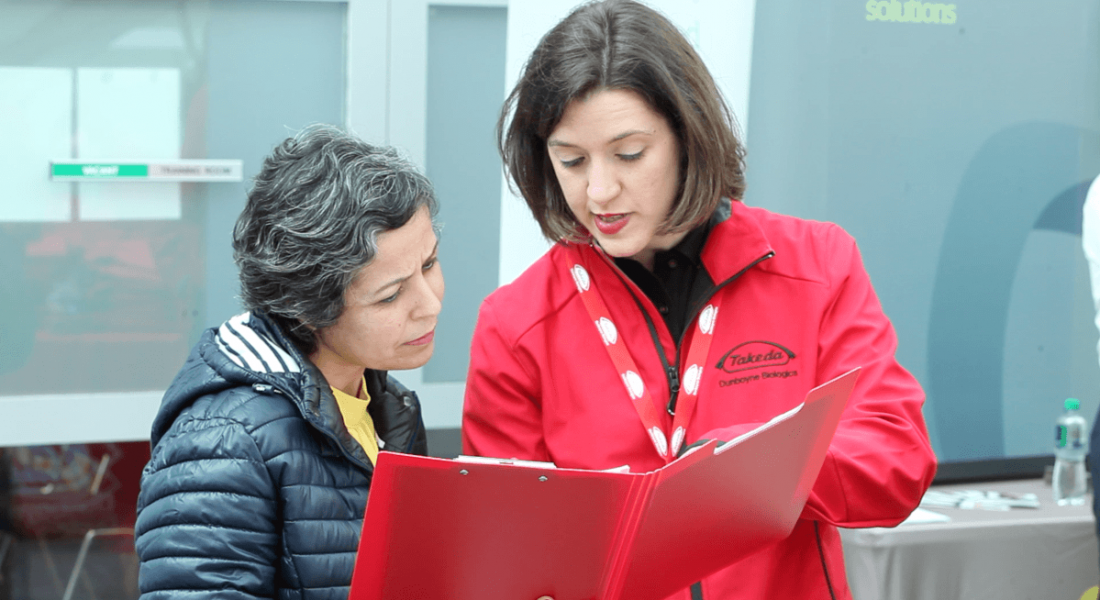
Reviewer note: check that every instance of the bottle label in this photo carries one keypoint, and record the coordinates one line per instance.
(1066, 438)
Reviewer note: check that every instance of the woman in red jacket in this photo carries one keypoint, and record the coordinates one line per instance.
(667, 311)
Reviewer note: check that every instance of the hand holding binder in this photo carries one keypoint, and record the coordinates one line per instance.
(457, 530)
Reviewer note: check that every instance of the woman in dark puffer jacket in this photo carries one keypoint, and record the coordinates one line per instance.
(263, 449)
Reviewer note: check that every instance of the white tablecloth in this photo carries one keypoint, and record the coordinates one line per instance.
(1049, 553)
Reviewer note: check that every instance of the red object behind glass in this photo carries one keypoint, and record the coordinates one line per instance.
(63, 491)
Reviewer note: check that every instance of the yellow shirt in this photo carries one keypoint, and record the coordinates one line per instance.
(357, 419)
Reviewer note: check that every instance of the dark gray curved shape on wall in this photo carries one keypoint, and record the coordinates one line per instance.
(1066, 211)
(1023, 178)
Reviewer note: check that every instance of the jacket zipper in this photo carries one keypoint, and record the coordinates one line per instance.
(824, 565)
(672, 371)
(699, 307)
(416, 430)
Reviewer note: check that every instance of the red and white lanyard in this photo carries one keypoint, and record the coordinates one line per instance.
(630, 374)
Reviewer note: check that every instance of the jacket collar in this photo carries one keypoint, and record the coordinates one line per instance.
(314, 399)
(736, 241)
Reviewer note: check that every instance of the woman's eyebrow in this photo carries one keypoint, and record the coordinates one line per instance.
(400, 280)
(556, 142)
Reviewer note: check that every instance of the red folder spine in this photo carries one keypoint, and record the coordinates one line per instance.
(370, 568)
(627, 532)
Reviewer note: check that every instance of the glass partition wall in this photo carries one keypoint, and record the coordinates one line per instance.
(106, 282)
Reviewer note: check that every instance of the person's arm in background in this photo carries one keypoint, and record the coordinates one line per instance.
(1090, 242)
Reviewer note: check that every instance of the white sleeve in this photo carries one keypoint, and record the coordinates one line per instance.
(1090, 241)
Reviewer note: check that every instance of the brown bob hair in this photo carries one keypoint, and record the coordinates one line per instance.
(620, 45)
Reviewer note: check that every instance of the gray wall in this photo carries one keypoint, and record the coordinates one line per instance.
(273, 68)
(465, 91)
(953, 153)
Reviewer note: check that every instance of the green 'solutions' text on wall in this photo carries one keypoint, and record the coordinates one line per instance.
(912, 11)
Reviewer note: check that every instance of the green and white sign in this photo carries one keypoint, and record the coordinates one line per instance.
(134, 170)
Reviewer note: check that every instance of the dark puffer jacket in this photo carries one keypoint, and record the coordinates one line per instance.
(255, 488)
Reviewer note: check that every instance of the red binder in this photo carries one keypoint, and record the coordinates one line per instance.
(448, 529)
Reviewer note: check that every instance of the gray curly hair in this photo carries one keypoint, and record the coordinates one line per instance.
(311, 223)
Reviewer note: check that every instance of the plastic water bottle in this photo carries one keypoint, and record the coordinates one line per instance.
(1071, 444)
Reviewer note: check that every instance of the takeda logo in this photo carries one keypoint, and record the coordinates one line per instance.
(912, 11)
(756, 361)
(754, 355)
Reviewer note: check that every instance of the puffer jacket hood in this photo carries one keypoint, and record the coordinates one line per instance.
(251, 350)
(232, 356)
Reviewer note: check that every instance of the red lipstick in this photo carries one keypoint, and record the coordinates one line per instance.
(611, 224)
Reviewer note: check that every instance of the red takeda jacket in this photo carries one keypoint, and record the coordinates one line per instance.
(797, 309)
